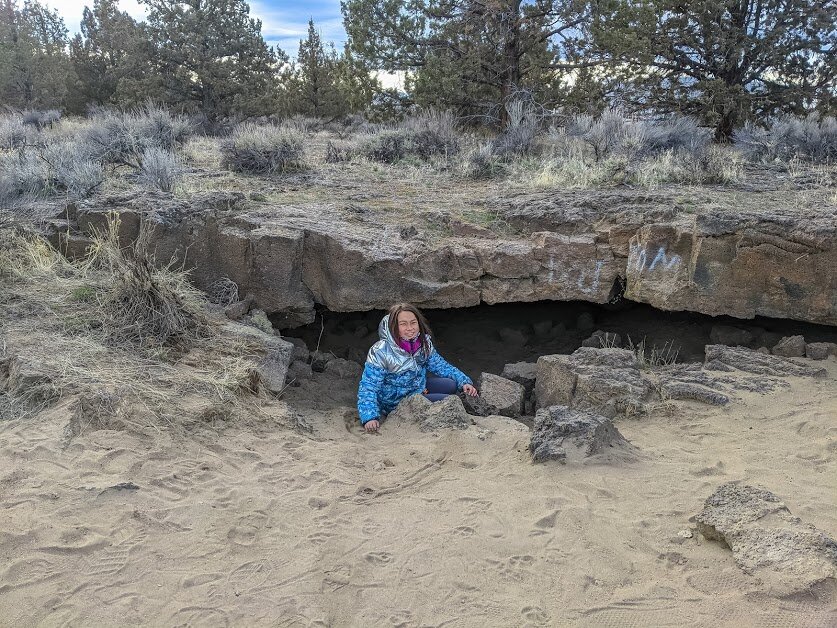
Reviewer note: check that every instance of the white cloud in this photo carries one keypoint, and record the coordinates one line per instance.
(73, 10)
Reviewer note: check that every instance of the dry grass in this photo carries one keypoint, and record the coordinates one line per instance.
(58, 316)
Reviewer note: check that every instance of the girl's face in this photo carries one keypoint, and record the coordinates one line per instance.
(408, 325)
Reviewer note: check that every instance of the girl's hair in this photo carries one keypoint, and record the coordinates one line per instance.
(424, 328)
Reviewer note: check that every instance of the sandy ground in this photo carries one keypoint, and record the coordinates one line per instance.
(267, 527)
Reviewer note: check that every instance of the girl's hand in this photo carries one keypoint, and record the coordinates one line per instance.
(469, 390)
(372, 426)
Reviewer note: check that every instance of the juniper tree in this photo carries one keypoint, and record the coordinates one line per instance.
(33, 56)
(472, 55)
(212, 57)
(723, 60)
(112, 59)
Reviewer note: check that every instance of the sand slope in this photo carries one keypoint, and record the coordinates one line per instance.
(271, 527)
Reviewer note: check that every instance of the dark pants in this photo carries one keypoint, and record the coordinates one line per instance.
(440, 387)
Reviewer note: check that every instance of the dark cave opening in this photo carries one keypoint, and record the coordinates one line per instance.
(483, 338)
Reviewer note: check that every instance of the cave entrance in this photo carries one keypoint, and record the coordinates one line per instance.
(486, 337)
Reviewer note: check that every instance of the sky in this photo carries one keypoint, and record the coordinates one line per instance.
(284, 22)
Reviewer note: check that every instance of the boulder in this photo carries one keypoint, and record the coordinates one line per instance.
(767, 541)
(605, 381)
(728, 335)
(301, 352)
(790, 347)
(449, 413)
(723, 358)
(563, 434)
(524, 373)
(343, 369)
(299, 371)
(820, 350)
(504, 396)
(272, 367)
(603, 339)
(234, 311)
(319, 359)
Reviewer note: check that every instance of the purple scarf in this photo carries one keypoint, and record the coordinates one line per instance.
(410, 346)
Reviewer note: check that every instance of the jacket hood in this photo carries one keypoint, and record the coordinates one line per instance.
(383, 333)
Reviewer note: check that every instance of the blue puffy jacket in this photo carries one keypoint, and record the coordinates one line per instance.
(391, 374)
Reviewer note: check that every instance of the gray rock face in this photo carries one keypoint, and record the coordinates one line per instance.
(606, 381)
(502, 395)
(272, 368)
(767, 541)
(569, 435)
(820, 350)
(720, 357)
(790, 347)
(449, 413)
(727, 335)
(568, 247)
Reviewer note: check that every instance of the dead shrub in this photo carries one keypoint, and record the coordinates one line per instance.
(146, 305)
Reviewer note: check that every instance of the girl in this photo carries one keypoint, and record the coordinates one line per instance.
(397, 366)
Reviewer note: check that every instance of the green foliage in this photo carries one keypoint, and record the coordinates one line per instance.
(724, 61)
(83, 294)
(112, 60)
(212, 57)
(472, 57)
(33, 62)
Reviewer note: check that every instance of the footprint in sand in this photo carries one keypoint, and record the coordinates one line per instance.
(247, 528)
(199, 616)
(249, 575)
(475, 504)
(401, 619)
(378, 558)
(514, 567)
(25, 572)
(113, 559)
(174, 487)
(535, 615)
(465, 531)
(318, 538)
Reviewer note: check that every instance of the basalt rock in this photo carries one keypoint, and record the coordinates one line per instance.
(605, 381)
(820, 350)
(720, 357)
(767, 541)
(567, 246)
(790, 347)
(502, 395)
(271, 369)
(449, 413)
(568, 435)
(524, 373)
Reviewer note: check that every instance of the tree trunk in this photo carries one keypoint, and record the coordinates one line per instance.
(511, 60)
